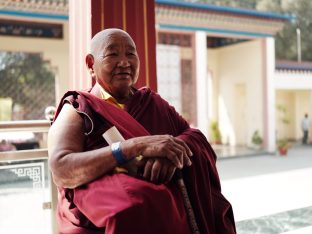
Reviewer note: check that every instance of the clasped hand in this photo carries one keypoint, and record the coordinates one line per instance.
(162, 155)
(156, 170)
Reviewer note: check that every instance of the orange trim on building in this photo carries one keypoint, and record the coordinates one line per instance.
(124, 15)
(145, 44)
(102, 14)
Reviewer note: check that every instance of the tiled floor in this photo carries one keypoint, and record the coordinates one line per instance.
(270, 194)
(234, 151)
(289, 221)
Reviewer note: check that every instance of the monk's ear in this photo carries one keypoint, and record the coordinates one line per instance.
(89, 61)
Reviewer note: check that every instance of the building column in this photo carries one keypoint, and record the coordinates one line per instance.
(79, 43)
(269, 94)
(201, 81)
(87, 17)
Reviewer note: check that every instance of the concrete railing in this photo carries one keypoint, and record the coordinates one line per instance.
(29, 156)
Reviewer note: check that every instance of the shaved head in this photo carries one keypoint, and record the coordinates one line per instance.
(113, 62)
(101, 38)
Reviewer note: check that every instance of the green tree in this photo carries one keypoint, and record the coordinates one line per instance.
(286, 40)
(27, 79)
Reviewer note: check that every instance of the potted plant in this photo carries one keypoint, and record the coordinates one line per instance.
(215, 133)
(283, 143)
(283, 146)
(256, 140)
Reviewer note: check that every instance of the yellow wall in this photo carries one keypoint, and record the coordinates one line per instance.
(303, 104)
(238, 90)
(296, 103)
(284, 99)
(54, 50)
(213, 69)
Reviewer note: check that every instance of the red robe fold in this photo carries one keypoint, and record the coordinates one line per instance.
(121, 204)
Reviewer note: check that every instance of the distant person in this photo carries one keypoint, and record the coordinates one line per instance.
(6, 146)
(49, 112)
(305, 124)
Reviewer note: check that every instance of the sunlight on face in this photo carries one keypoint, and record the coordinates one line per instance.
(116, 63)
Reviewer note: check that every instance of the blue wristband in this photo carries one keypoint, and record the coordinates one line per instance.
(117, 153)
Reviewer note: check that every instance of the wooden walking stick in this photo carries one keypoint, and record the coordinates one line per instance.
(186, 200)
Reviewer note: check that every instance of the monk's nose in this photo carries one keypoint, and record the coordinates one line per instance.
(123, 62)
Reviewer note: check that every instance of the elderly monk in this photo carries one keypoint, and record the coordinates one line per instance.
(97, 192)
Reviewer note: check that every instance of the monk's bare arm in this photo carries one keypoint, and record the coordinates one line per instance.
(69, 165)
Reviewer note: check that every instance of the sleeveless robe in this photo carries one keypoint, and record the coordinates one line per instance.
(121, 204)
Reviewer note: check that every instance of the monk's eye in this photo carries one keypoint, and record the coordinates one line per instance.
(111, 54)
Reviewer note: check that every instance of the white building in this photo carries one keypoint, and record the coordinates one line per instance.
(213, 64)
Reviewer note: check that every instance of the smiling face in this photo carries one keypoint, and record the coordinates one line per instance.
(114, 61)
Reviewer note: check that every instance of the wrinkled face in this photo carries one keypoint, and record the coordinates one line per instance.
(116, 63)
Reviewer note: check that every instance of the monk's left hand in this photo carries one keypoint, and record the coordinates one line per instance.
(158, 170)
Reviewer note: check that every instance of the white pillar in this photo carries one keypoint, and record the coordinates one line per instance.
(201, 81)
(79, 42)
(269, 94)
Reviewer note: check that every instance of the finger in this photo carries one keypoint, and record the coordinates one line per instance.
(187, 161)
(179, 154)
(185, 146)
(182, 155)
(170, 172)
(164, 171)
(178, 146)
(183, 151)
(175, 159)
(140, 164)
(148, 169)
(155, 171)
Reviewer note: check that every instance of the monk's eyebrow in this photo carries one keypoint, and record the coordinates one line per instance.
(131, 47)
(111, 47)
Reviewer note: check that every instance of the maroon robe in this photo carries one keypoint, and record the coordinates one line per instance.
(121, 204)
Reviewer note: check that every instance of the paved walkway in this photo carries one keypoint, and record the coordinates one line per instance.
(258, 164)
(269, 192)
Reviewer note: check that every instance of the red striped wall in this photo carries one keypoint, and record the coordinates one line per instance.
(137, 17)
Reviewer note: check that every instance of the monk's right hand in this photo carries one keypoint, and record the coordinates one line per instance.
(175, 149)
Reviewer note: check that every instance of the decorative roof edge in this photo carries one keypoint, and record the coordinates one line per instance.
(34, 14)
(228, 10)
(213, 30)
(293, 65)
